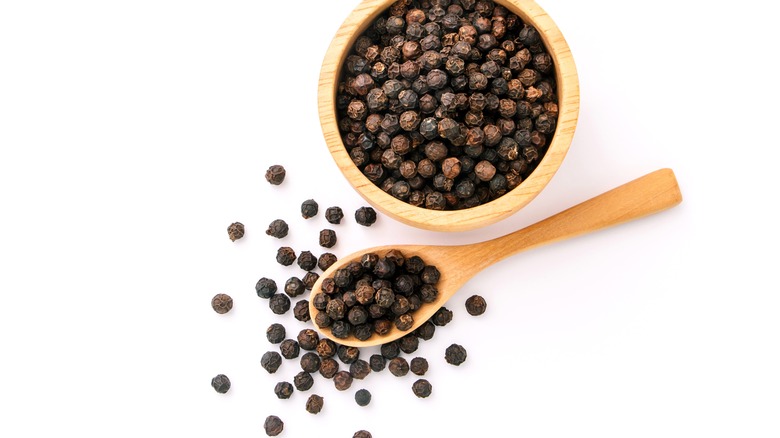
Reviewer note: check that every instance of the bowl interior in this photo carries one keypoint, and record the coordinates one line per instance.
(465, 219)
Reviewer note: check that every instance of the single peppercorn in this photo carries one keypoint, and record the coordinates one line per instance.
(222, 303)
(326, 260)
(294, 287)
(307, 261)
(310, 362)
(279, 303)
(455, 354)
(348, 354)
(278, 228)
(301, 311)
(285, 256)
(326, 348)
(308, 339)
(362, 397)
(328, 367)
(334, 215)
(377, 362)
(390, 350)
(359, 369)
(408, 343)
(362, 434)
(422, 388)
(309, 279)
(476, 305)
(289, 349)
(327, 238)
(271, 361)
(273, 425)
(314, 404)
(365, 216)
(309, 208)
(283, 390)
(418, 366)
(220, 383)
(265, 288)
(398, 366)
(275, 174)
(442, 317)
(342, 380)
(303, 381)
(235, 231)
(275, 333)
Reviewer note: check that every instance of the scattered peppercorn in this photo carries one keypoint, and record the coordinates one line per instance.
(455, 354)
(309, 208)
(347, 354)
(310, 362)
(390, 350)
(359, 369)
(222, 303)
(327, 238)
(309, 279)
(220, 383)
(271, 361)
(342, 380)
(303, 381)
(285, 256)
(283, 390)
(308, 339)
(362, 397)
(376, 362)
(273, 425)
(334, 215)
(398, 366)
(275, 174)
(422, 388)
(409, 343)
(279, 304)
(294, 287)
(419, 366)
(289, 349)
(365, 216)
(328, 367)
(326, 260)
(442, 317)
(278, 228)
(362, 434)
(235, 231)
(265, 288)
(301, 311)
(476, 305)
(314, 404)
(275, 333)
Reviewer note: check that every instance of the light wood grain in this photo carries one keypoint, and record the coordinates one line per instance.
(646, 195)
(458, 220)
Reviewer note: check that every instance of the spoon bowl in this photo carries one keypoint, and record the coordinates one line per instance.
(652, 193)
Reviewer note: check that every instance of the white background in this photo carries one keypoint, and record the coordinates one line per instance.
(133, 132)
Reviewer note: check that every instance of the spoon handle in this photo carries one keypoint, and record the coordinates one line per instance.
(652, 193)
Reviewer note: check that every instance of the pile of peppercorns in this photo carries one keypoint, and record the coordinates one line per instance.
(447, 104)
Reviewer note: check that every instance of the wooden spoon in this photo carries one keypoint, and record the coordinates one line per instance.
(649, 194)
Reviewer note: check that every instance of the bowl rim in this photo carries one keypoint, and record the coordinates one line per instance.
(464, 219)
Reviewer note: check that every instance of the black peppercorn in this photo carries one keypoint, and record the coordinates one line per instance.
(283, 390)
(476, 305)
(455, 354)
(408, 343)
(308, 339)
(362, 434)
(326, 260)
(422, 388)
(314, 404)
(398, 366)
(348, 355)
(275, 174)
(359, 369)
(278, 229)
(275, 333)
(342, 380)
(377, 362)
(222, 303)
(327, 238)
(303, 381)
(362, 397)
(334, 215)
(271, 361)
(235, 231)
(301, 311)
(309, 279)
(328, 367)
(285, 256)
(265, 287)
(279, 303)
(309, 208)
(310, 362)
(294, 287)
(289, 349)
(220, 383)
(273, 425)
(307, 261)
(442, 317)
(365, 216)
(418, 366)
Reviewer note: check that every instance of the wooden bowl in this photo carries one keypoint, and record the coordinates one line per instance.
(470, 218)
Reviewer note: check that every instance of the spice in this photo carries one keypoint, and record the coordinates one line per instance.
(307, 261)
(289, 349)
(426, 331)
(273, 425)
(418, 366)
(235, 231)
(285, 256)
(271, 361)
(422, 388)
(442, 317)
(222, 303)
(390, 350)
(275, 333)
(309, 279)
(278, 228)
(342, 380)
(455, 354)
(362, 434)
(294, 287)
(279, 304)
(220, 383)
(334, 215)
(398, 366)
(327, 238)
(377, 362)
(365, 216)
(310, 362)
(314, 404)
(408, 343)
(328, 367)
(362, 397)
(309, 208)
(265, 288)
(359, 369)
(308, 339)
(301, 311)
(347, 354)
(326, 260)
(476, 305)
(303, 381)
(283, 390)
(275, 174)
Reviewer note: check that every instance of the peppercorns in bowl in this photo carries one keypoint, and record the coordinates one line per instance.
(448, 115)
